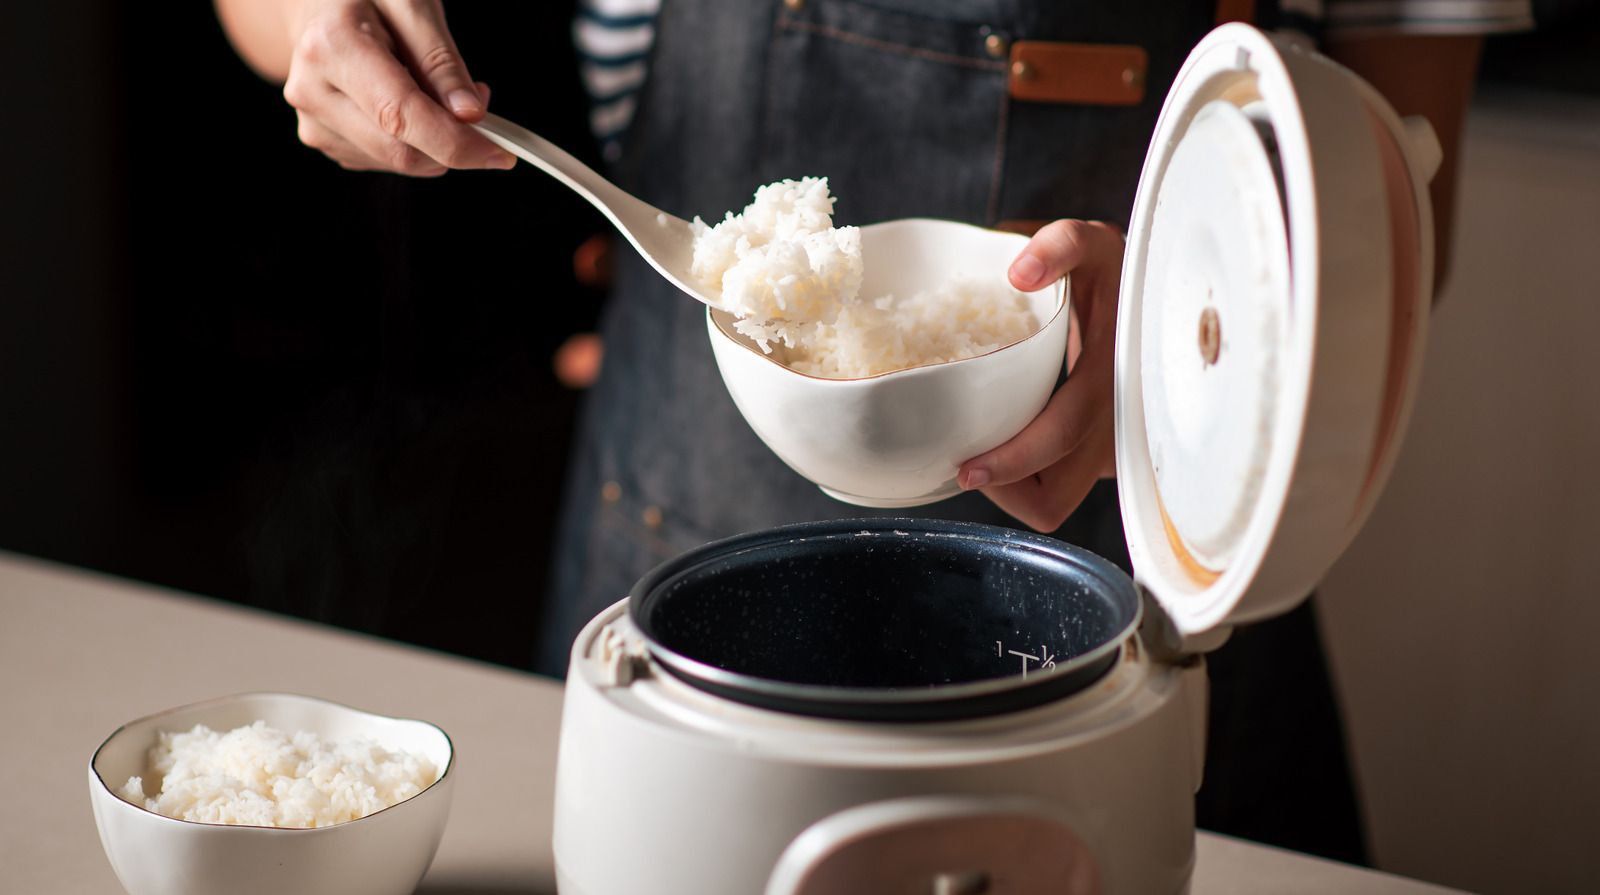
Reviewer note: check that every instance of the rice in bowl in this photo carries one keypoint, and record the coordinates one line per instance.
(790, 278)
(780, 265)
(256, 775)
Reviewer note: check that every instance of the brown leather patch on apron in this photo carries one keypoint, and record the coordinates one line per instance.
(1087, 74)
(1026, 228)
(1235, 11)
(1092, 74)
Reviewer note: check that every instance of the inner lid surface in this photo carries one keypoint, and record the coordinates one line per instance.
(1216, 302)
(863, 618)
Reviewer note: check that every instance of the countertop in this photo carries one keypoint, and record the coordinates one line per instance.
(82, 653)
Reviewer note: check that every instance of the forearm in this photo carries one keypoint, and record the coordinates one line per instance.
(260, 33)
(1428, 75)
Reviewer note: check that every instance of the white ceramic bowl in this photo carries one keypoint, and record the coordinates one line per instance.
(897, 439)
(384, 853)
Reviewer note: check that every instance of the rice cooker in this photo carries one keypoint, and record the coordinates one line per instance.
(924, 706)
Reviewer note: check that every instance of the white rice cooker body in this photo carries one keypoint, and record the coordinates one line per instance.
(666, 789)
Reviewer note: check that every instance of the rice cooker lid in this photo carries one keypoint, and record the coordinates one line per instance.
(1271, 320)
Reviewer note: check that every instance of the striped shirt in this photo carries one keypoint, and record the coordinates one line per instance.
(614, 37)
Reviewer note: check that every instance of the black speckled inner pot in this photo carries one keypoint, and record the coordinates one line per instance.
(887, 619)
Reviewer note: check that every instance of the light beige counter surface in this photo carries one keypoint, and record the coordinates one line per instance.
(81, 653)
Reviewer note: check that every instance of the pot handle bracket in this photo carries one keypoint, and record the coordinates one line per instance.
(620, 654)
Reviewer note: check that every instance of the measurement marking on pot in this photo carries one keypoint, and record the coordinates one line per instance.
(1025, 658)
(1045, 661)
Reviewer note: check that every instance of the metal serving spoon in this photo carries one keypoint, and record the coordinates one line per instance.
(665, 241)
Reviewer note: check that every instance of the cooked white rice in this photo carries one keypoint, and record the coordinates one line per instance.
(260, 776)
(962, 319)
(790, 277)
(781, 264)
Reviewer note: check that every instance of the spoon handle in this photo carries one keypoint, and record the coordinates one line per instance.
(667, 242)
(623, 209)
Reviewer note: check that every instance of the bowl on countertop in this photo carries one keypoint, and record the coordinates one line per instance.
(897, 439)
(385, 853)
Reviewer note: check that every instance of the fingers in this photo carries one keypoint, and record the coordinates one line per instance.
(1070, 420)
(430, 54)
(1043, 473)
(404, 159)
(360, 104)
(1044, 500)
(1089, 250)
(1052, 252)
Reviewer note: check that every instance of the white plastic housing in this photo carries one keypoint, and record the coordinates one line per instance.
(663, 789)
(1261, 396)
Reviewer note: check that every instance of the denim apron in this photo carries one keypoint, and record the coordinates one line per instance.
(903, 106)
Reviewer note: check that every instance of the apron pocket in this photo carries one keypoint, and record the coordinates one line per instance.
(904, 113)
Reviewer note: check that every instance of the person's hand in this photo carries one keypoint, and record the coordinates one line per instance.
(380, 85)
(1042, 474)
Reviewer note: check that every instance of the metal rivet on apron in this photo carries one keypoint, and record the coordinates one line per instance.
(611, 492)
(1023, 71)
(651, 517)
(996, 46)
(794, 4)
(1133, 77)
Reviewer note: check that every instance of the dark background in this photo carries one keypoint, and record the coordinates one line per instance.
(230, 367)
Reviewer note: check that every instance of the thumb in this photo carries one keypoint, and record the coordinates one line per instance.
(428, 50)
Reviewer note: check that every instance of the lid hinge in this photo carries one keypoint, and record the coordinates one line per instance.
(1165, 642)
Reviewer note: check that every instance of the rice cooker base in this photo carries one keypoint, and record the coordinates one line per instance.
(665, 788)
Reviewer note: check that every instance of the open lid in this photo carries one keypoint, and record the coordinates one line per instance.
(1273, 308)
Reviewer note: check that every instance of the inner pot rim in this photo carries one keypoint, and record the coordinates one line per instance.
(922, 703)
